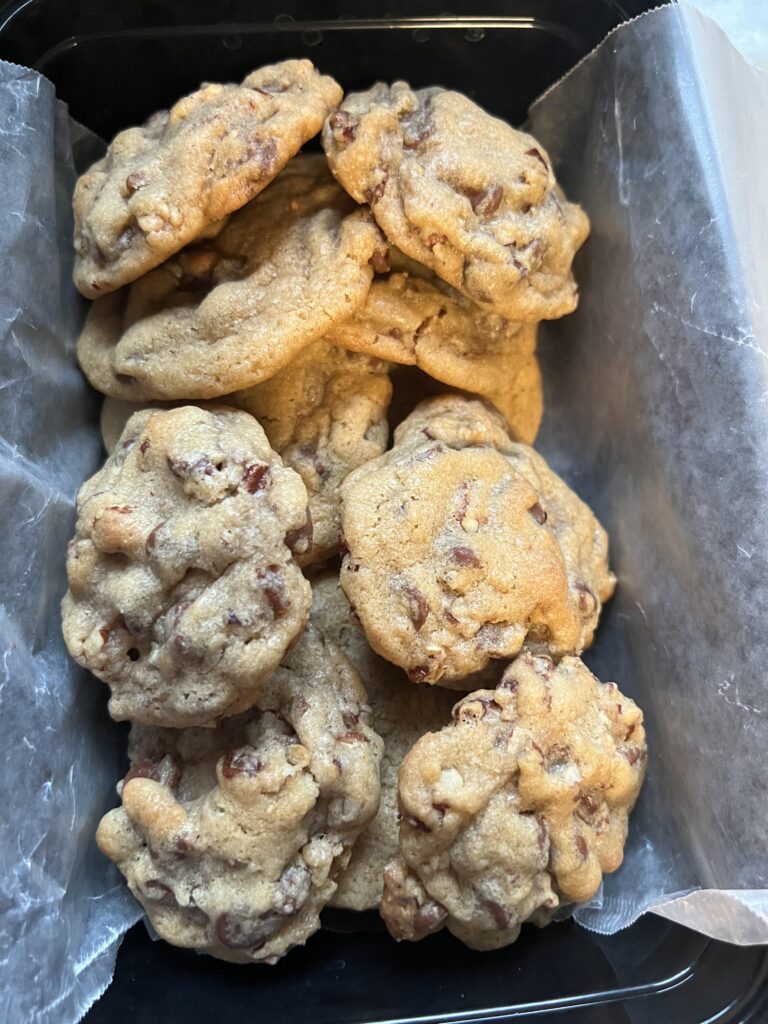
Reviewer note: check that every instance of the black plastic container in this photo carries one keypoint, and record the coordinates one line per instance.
(116, 62)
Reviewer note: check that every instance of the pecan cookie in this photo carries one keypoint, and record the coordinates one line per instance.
(229, 313)
(402, 713)
(231, 838)
(519, 804)
(463, 193)
(184, 589)
(172, 180)
(325, 414)
(463, 546)
(413, 318)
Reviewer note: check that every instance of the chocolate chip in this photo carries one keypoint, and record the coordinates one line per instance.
(497, 912)
(418, 606)
(484, 201)
(233, 619)
(588, 805)
(373, 195)
(450, 617)
(299, 540)
(581, 846)
(256, 477)
(136, 181)
(435, 239)
(428, 918)
(158, 892)
(343, 127)
(465, 556)
(244, 761)
(380, 261)
(396, 333)
(634, 754)
(417, 823)
(418, 674)
(538, 513)
(557, 756)
(125, 238)
(245, 933)
(537, 154)
(417, 128)
(272, 583)
(133, 653)
(586, 599)
(122, 510)
(292, 890)
(165, 771)
(349, 718)
(429, 453)
(354, 737)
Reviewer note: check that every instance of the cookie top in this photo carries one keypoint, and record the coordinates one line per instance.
(413, 318)
(463, 193)
(402, 713)
(229, 313)
(520, 803)
(463, 546)
(184, 590)
(172, 180)
(326, 414)
(231, 837)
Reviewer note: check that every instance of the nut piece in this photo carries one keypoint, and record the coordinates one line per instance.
(184, 594)
(241, 856)
(463, 546)
(175, 178)
(521, 803)
(463, 193)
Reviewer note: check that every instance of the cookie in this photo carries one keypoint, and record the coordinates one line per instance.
(411, 317)
(463, 193)
(520, 804)
(229, 313)
(402, 713)
(231, 838)
(184, 589)
(174, 179)
(461, 546)
(325, 414)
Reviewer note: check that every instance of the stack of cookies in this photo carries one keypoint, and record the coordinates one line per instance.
(285, 606)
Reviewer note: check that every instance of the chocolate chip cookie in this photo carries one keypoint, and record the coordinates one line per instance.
(411, 317)
(184, 588)
(463, 193)
(402, 713)
(461, 546)
(231, 838)
(519, 804)
(325, 414)
(229, 313)
(175, 178)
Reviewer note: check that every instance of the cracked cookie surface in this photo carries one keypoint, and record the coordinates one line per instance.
(174, 179)
(462, 546)
(229, 313)
(463, 193)
(412, 318)
(402, 713)
(184, 587)
(521, 803)
(231, 838)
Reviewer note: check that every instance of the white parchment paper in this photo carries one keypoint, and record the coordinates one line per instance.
(657, 393)
(657, 411)
(62, 906)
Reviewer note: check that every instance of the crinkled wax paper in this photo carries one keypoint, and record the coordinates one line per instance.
(62, 905)
(656, 391)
